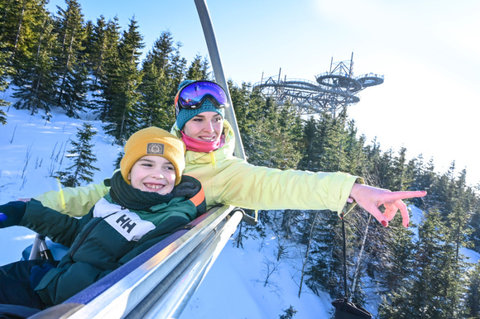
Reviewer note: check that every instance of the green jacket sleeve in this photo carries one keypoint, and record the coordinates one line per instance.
(74, 201)
(241, 184)
(60, 228)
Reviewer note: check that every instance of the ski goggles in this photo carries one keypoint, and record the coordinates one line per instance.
(192, 95)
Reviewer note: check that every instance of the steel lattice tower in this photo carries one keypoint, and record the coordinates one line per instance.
(332, 92)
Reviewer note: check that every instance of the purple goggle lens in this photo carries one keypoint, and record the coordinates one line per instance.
(193, 95)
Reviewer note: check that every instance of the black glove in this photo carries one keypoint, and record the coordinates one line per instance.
(12, 213)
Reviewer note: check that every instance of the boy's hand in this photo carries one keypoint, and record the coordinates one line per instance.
(12, 213)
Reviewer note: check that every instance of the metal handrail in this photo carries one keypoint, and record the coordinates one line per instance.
(160, 286)
(168, 301)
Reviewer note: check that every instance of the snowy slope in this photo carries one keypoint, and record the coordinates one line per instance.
(31, 150)
(234, 287)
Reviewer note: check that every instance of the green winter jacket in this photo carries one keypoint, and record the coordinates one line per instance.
(108, 236)
(229, 180)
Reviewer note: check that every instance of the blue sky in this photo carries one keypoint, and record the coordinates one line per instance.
(427, 50)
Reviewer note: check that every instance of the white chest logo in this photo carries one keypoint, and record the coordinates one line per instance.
(125, 222)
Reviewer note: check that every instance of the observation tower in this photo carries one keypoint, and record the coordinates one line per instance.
(332, 92)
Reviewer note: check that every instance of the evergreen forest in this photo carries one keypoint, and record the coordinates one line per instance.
(59, 61)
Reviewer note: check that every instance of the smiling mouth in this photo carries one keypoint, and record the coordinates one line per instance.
(208, 138)
(154, 187)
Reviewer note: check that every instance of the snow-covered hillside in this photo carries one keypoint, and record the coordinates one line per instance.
(31, 150)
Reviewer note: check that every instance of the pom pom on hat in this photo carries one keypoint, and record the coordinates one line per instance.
(186, 115)
(153, 141)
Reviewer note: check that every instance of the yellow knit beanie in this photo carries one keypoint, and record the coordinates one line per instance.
(153, 141)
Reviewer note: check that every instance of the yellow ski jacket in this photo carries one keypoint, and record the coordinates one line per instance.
(229, 180)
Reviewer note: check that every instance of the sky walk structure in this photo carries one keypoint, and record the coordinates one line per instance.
(332, 92)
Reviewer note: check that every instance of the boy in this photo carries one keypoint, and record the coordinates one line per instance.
(148, 200)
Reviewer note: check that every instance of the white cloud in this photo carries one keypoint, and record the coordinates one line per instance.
(26, 237)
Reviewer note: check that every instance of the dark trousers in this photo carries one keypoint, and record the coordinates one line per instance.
(15, 287)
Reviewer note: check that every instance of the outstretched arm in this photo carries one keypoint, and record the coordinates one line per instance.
(371, 198)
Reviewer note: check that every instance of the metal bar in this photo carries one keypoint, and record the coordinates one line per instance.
(172, 295)
(218, 71)
(35, 252)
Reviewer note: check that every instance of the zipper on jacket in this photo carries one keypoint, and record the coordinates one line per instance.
(214, 162)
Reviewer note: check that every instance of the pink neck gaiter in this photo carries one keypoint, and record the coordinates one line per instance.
(195, 145)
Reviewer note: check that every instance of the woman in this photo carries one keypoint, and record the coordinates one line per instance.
(226, 179)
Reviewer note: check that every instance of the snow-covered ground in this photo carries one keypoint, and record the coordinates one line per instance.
(31, 150)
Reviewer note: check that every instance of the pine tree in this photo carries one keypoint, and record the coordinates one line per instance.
(106, 63)
(443, 190)
(291, 130)
(384, 170)
(153, 110)
(159, 83)
(325, 261)
(245, 103)
(424, 178)
(475, 223)
(473, 293)
(20, 22)
(34, 79)
(274, 139)
(5, 70)
(401, 174)
(395, 258)
(81, 169)
(459, 218)
(71, 59)
(354, 153)
(310, 159)
(372, 153)
(289, 313)
(434, 289)
(123, 82)
(334, 141)
(165, 55)
(198, 69)
(102, 45)
(328, 144)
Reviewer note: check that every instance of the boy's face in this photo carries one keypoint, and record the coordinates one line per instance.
(153, 174)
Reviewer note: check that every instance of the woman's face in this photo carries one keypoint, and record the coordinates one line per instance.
(206, 126)
(153, 174)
